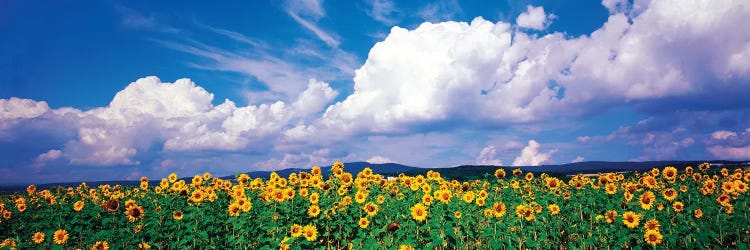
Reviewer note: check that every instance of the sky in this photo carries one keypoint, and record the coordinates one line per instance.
(112, 90)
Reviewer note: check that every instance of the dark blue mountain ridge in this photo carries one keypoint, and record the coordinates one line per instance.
(461, 172)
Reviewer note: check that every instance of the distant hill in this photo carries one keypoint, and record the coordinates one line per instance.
(463, 172)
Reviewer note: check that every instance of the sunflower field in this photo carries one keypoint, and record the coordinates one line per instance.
(663, 208)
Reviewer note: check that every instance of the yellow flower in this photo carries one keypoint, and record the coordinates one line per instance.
(364, 222)
(405, 247)
(653, 237)
(669, 173)
(143, 246)
(419, 212)
(678, 206)
(610, 188)
(630, 219)
(647, 200)
(669, 194)
(61, 236)
(314, 198)
(310, 232)
(468, 197)
(554, 209)
(38, 237)
(500, 173)
(134, 213)
(100, 245)
(371, 209)
(296, 230)
(234, 209)
(498, 209)
(611, 216)
(698, 213)
(529, 176)
(313, 211)
(651, 224)
(177, 215)
(457, 214)
(172, 177)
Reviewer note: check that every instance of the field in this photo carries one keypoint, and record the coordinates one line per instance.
(662, 208)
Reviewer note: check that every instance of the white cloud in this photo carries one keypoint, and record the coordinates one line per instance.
(722, 134)
(180, 116)
(15, 108)
(379, 160)
(534, 18)
(583, 139)
(382, 11)
(488, 73)
(577, 159)
(488, 157)
(530, 155)
(730, 153)
(615, 6)
(438, 11)
(307, 13)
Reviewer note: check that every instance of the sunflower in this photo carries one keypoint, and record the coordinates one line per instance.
(143, 246)
(21, 207)
(78, 206)
(683, 188)
(480, 202)
(197, 196)
(172, 177)
(144, 185)
(178, 215)
(7, 214)
(371, 209)
(727, 187)
(517, 172)
(405, 247)
(100, 245)
(380, 199)
(38, 237)
(427, 199)
(669, 194)
(630, 219)
(498, 209)
(234, 209)
(669, 173)
(468, 197)
(610, 216)
(364, 222)
(740, 186)
(651, 224)
(457, 214)
(295, 230)
(310, 232)
(61, 236)
(653, 237)
(529, 176)
(647, 200)
(554, 209)
(112, 205)
(500, 173)
(313, 210)
(610, 188)
(419, 212)
(314, 198)
(678, 206)
(134, 213)
(698, 213)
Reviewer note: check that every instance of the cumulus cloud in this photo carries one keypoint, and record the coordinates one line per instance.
(722, 134)
(487, 73)
(176, 117)
(530, 155)
(379, 160)
(728, 152)
(534, 18)
(488, 157)
(577, 159)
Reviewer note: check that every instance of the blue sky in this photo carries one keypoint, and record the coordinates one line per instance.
(118, 90)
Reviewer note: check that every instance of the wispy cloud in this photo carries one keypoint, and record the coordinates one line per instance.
(133, 19)
(382, 11)
(307, 13)
(439, 11)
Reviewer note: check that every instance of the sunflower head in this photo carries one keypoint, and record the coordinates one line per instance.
(38, 237)
(630, 219)
(61, 236)
(653, 237)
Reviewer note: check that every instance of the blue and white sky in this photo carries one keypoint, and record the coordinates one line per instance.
(103, 90)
